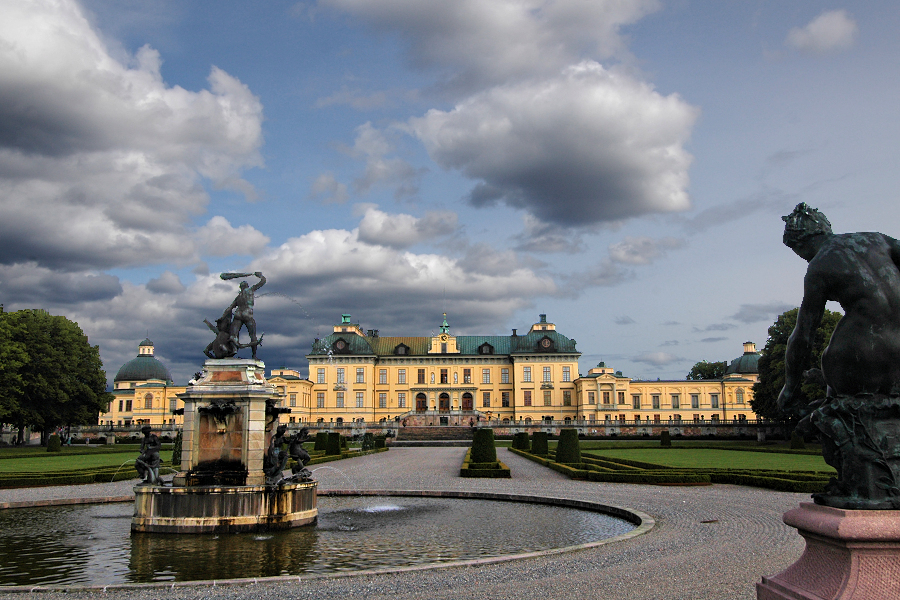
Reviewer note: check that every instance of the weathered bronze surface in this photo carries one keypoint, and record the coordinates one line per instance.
(147, 464)
(238, 314)
(859, 420)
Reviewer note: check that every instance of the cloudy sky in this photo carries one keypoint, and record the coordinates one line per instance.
(620, 165)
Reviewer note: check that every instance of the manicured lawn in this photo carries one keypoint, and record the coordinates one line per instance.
(722, 459)
(45, 462)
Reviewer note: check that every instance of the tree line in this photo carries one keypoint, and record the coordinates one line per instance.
(50, 375)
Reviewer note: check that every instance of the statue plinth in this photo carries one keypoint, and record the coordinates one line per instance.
(849, 555)
(229, 414)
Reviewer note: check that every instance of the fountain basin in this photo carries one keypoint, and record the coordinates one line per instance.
(223, 509)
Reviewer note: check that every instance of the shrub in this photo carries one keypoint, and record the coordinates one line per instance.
(797, 442)
(321, 441)
(568, 450)
(343, 441)
(665, 439)
(333, 447)
(483, 450)
(176, 451)
(379, 441)
(368, 441)
(539, 443)
(54, 444)
(520, 441)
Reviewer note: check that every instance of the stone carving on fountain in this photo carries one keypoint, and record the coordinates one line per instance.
(859, 420)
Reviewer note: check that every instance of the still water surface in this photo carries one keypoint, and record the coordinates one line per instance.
(93, 545)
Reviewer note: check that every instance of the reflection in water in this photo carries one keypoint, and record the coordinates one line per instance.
(92, 545)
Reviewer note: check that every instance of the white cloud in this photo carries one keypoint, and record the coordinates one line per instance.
(586, 146)
(402, 230)
(538, 236)
(657, 359)
(110, 151)
(373, 146)
(485, 43)
(754, 313)
(642, 250)
(329, 190)
(831, 31)
(219, 238)
(167, 283)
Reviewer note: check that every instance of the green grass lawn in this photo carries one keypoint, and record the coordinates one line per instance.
(721, 459)
(42, 461)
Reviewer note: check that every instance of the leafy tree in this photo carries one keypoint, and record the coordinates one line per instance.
(707, 370)
(56, 376)
(771, 364)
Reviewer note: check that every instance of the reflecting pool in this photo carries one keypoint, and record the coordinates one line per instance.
(93, 545)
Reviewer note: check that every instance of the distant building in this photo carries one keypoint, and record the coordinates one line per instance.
(357, 376)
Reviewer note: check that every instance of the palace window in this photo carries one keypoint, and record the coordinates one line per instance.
(467, 375)
(382, 376)
(567, 374)
(320, 376)
(526, 374)
(504, 399)
(504, 375)
(637, 419)
(526, 398)
(340, 400)
(739, 396)
(120, 405)
(401, 399)
(567, 397)
(485, 376)
(654, 399)
(486, 400)
(547, 377)
(293, 399)
(606, 398)
(421, 376)
(714, 418)
(591, 398)
(656, 418)
(714, 400)
(340, 375)
(676, 418)
(444, 348)
(444, 376)
(401, 376)
(382, 400)
(547, 398)
(697, 418)
(320, 399)
(148, 401)
(636, 401)
(360, 399)
(622, 398)
(695, 400)
(360, 375)
(676, 401)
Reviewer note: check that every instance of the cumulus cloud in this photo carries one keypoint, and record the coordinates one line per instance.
(642, 250)
(219, 238)
(373, 146)
(606, 273)
(754, 313)
(831, 31)
(538, 236)
(402, 230)
(657, 359)
(329, 190)
(115, 155)
(167, 283)
(477, 43)
(29, 285)
(586, 146)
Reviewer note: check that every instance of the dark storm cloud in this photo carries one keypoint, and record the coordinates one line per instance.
(29, 285)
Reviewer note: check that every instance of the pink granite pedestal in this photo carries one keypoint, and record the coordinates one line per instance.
(850, 554)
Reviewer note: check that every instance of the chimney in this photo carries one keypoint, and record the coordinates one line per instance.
(514, 333)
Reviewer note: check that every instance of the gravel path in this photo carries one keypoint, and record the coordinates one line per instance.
(709, 543)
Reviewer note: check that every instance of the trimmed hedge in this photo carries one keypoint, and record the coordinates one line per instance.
(176, 451)
(368, 441)
(520, 441)
(483, 449)
(321, 441)
(491, 469)
(333, 447)
(568, 450)
(54, 444)
(665, 439)
(539, 443)
(380, 441)
(76, 477)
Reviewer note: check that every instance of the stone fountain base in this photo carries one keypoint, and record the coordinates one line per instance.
(850, 554)
(223, 509)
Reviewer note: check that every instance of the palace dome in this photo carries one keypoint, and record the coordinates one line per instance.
(144, 367)
(747, 363)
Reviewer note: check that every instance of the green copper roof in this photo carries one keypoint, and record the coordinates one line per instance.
(748, 363)
(143, 368)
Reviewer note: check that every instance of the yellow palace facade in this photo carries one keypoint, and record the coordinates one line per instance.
(360, 377)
